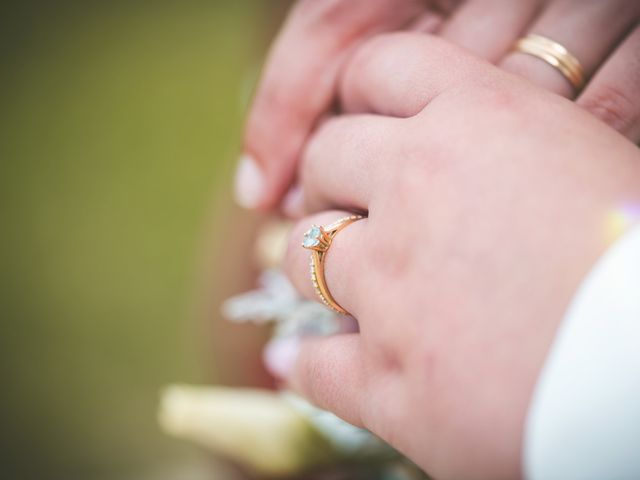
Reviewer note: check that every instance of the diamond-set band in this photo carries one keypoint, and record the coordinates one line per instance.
(318, 239)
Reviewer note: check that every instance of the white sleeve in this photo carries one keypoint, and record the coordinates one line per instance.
(584, 418)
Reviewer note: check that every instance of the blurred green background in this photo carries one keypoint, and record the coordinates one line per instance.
(120, 125)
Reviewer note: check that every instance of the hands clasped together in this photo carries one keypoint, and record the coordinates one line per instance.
(486, 201)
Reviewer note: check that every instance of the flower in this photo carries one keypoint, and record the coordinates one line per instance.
(277, 301)
(257, 428)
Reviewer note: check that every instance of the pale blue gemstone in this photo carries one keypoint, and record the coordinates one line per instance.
(309, 242)
(312, 237)
(314, 232)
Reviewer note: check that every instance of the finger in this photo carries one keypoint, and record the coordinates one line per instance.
(344, 259)
(398, 74)
(612, 94)
(344, 160)
(589, 30)
(328, 371)
(298, 85)
(488, 28)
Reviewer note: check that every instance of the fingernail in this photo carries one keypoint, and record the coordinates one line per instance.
(280, 356)
(293, 202)
(249, 184)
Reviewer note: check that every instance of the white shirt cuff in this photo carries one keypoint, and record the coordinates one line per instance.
(584, 418)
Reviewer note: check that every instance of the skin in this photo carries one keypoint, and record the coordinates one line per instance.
(487, 201)
(299, 83)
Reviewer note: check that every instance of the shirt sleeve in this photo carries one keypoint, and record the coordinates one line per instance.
(584, 418)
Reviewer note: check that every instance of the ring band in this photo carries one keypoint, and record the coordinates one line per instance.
(555, 55)
(318, 239)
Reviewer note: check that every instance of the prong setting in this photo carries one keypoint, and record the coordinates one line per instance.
(316, 238)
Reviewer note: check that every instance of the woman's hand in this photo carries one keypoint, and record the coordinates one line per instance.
(487, 202)
(299, 82)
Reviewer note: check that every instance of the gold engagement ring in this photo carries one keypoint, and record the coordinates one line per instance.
(318, 239)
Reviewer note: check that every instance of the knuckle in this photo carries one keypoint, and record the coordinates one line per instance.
(410, 56)
(611, 105)
(382, 49)
(391, 41)
(411, 44)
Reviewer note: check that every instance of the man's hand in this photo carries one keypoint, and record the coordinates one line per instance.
(298, 88)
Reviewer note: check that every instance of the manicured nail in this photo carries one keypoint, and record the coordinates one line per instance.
(280, 356)
(249, 186)
(293, 202)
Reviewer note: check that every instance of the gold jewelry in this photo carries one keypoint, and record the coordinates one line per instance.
(555, 55)
(318, 239)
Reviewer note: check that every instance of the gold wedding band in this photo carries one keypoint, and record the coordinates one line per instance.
(318, 239)
(555, 55)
